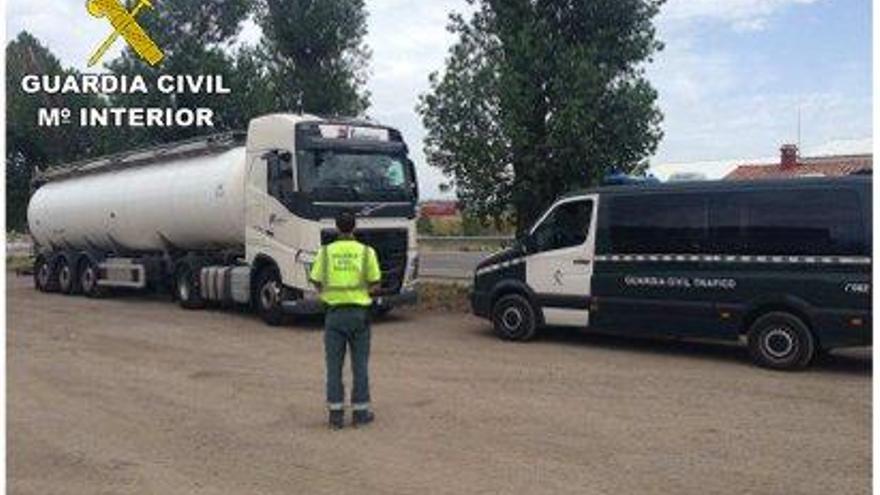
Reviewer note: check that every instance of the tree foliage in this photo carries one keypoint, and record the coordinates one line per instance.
(311, 50)
(315, 54)
(542, 96)
(29, 145)
(195, 36)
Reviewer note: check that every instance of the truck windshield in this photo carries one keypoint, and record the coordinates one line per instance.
(326, 175)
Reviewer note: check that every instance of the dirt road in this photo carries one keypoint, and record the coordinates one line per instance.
(133, 395)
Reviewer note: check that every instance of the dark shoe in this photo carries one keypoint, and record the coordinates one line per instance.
(361, 418)
(336, 420)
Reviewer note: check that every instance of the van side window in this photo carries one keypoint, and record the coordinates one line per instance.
(659, 224)
(793, 222)
(566, 226)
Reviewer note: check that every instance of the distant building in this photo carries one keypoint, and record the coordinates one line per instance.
(792, 165)
(439, 208)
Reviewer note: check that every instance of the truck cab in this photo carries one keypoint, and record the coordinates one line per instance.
(301, 172)
(230, 218)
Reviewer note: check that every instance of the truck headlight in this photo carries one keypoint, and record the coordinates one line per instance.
(307, 259)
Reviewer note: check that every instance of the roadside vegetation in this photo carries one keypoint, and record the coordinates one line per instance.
(20, 264)
(443, 297)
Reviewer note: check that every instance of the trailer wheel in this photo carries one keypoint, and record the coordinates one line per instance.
(43, 276)
(66, 277)
(267, 297)
(187, 288)
(88, 279)
(514, 318)
(782, 341)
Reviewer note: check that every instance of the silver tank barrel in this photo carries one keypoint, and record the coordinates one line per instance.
(188, 202)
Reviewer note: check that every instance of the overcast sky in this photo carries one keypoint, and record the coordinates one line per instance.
(731, 79)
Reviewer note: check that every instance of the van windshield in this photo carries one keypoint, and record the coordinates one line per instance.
(326, 175)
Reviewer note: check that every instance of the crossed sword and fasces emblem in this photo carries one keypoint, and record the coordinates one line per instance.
(125, 25)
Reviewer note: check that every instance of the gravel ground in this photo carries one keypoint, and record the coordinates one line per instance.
(133, 395)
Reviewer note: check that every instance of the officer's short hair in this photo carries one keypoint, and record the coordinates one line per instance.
(345, 222)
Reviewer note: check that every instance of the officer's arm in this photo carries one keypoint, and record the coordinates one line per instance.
(374, 273)
(317, 270)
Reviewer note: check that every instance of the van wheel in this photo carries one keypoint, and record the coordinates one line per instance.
(66, 277)
(782, 341)
(514, 318)
(267, 297)
(44, 279)
(187, 289)
(88, 279)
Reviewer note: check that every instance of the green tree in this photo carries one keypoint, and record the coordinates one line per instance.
(27, 144)
(542, 96)
(195, 36)
(424, 226)
(315, 54)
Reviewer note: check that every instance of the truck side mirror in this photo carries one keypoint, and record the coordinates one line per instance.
(411, 169)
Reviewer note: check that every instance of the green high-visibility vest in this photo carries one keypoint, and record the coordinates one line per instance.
(345, 269)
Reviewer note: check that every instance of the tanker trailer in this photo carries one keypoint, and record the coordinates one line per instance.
(231, 219)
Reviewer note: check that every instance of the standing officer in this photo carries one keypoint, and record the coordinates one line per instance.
(346, 272)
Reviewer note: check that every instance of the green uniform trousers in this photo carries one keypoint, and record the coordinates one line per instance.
(347, 327)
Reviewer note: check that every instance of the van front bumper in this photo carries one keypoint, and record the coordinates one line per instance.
(311, 305)
(481, 303)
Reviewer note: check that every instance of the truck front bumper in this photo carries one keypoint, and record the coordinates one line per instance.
(313, 305)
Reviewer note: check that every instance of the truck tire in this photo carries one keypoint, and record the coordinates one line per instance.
(186, 286)
(66, 277)
(381, 311)
(782, 341)
(88, 279)
(514, 318)
(267, 296)
(44, 276)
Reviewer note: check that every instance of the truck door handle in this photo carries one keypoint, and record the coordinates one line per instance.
(582, 261)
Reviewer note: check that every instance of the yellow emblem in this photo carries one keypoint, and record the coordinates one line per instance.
(125, 25)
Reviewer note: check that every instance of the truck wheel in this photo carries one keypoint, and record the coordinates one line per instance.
(88, 279)
(267, 297)
(514, 318)
(43, 276)
(66, 277)
(782, 341)
(381, 311)
(187, 289)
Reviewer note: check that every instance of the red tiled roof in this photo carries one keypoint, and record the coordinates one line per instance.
(439, 208)
(830, 166)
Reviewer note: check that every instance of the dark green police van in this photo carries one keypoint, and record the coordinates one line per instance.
(785, 264)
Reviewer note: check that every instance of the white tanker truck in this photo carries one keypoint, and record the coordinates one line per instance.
(231, 218)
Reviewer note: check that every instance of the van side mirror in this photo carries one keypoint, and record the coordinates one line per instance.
(527, 244)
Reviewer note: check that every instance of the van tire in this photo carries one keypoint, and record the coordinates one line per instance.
(514, 318)
(781, 341)
(268, 296)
